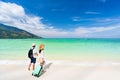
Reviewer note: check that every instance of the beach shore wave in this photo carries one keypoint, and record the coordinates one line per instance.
(61, 62)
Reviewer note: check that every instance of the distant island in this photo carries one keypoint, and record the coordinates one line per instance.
(12, 32)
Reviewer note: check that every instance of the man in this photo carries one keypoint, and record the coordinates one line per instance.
(33, 58)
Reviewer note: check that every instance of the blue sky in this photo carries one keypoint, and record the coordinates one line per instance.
(63, 18)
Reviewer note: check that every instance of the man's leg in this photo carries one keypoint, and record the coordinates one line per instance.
(33, 66)
(29, 66)
(34, 61)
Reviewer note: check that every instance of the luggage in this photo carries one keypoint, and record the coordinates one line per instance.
(38, 71)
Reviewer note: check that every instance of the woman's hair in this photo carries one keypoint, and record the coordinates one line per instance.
(40, 51)
(41, 47)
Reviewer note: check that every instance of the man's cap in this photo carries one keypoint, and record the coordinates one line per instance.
(33, 45)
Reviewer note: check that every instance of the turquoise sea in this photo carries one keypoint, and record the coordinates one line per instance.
(63, 48)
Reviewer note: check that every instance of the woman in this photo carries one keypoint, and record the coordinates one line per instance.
(41, 55)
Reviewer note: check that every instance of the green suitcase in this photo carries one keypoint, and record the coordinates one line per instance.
(38, 71)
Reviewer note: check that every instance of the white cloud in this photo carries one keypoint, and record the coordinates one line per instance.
(98, 21)
(117, 19)
(84, 32)
(13, 9)
(14, 15)
(91, 12)
(93, 29)
(109, 31)
(76, 18)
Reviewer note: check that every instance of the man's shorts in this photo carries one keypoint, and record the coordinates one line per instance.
(33, 60)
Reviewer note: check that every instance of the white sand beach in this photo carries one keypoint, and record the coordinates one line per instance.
(61, 70)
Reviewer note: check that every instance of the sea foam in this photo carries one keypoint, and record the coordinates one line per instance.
(61, 62)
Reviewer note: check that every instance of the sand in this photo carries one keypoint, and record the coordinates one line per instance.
(61, 70)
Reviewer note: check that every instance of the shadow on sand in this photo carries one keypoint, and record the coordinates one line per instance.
(47, 66)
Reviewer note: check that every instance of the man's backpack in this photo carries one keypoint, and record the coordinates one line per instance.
(30, 53)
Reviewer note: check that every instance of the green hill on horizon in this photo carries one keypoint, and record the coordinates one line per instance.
(12, 32)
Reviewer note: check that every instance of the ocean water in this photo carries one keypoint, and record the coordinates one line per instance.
(63, 48)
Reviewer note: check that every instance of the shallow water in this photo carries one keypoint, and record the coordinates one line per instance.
(62, 48)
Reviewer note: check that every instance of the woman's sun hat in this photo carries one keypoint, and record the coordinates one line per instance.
(42, 46)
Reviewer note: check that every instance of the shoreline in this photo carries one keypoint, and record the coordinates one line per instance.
(64, 62)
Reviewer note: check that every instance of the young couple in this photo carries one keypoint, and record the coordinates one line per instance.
(35, 55)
